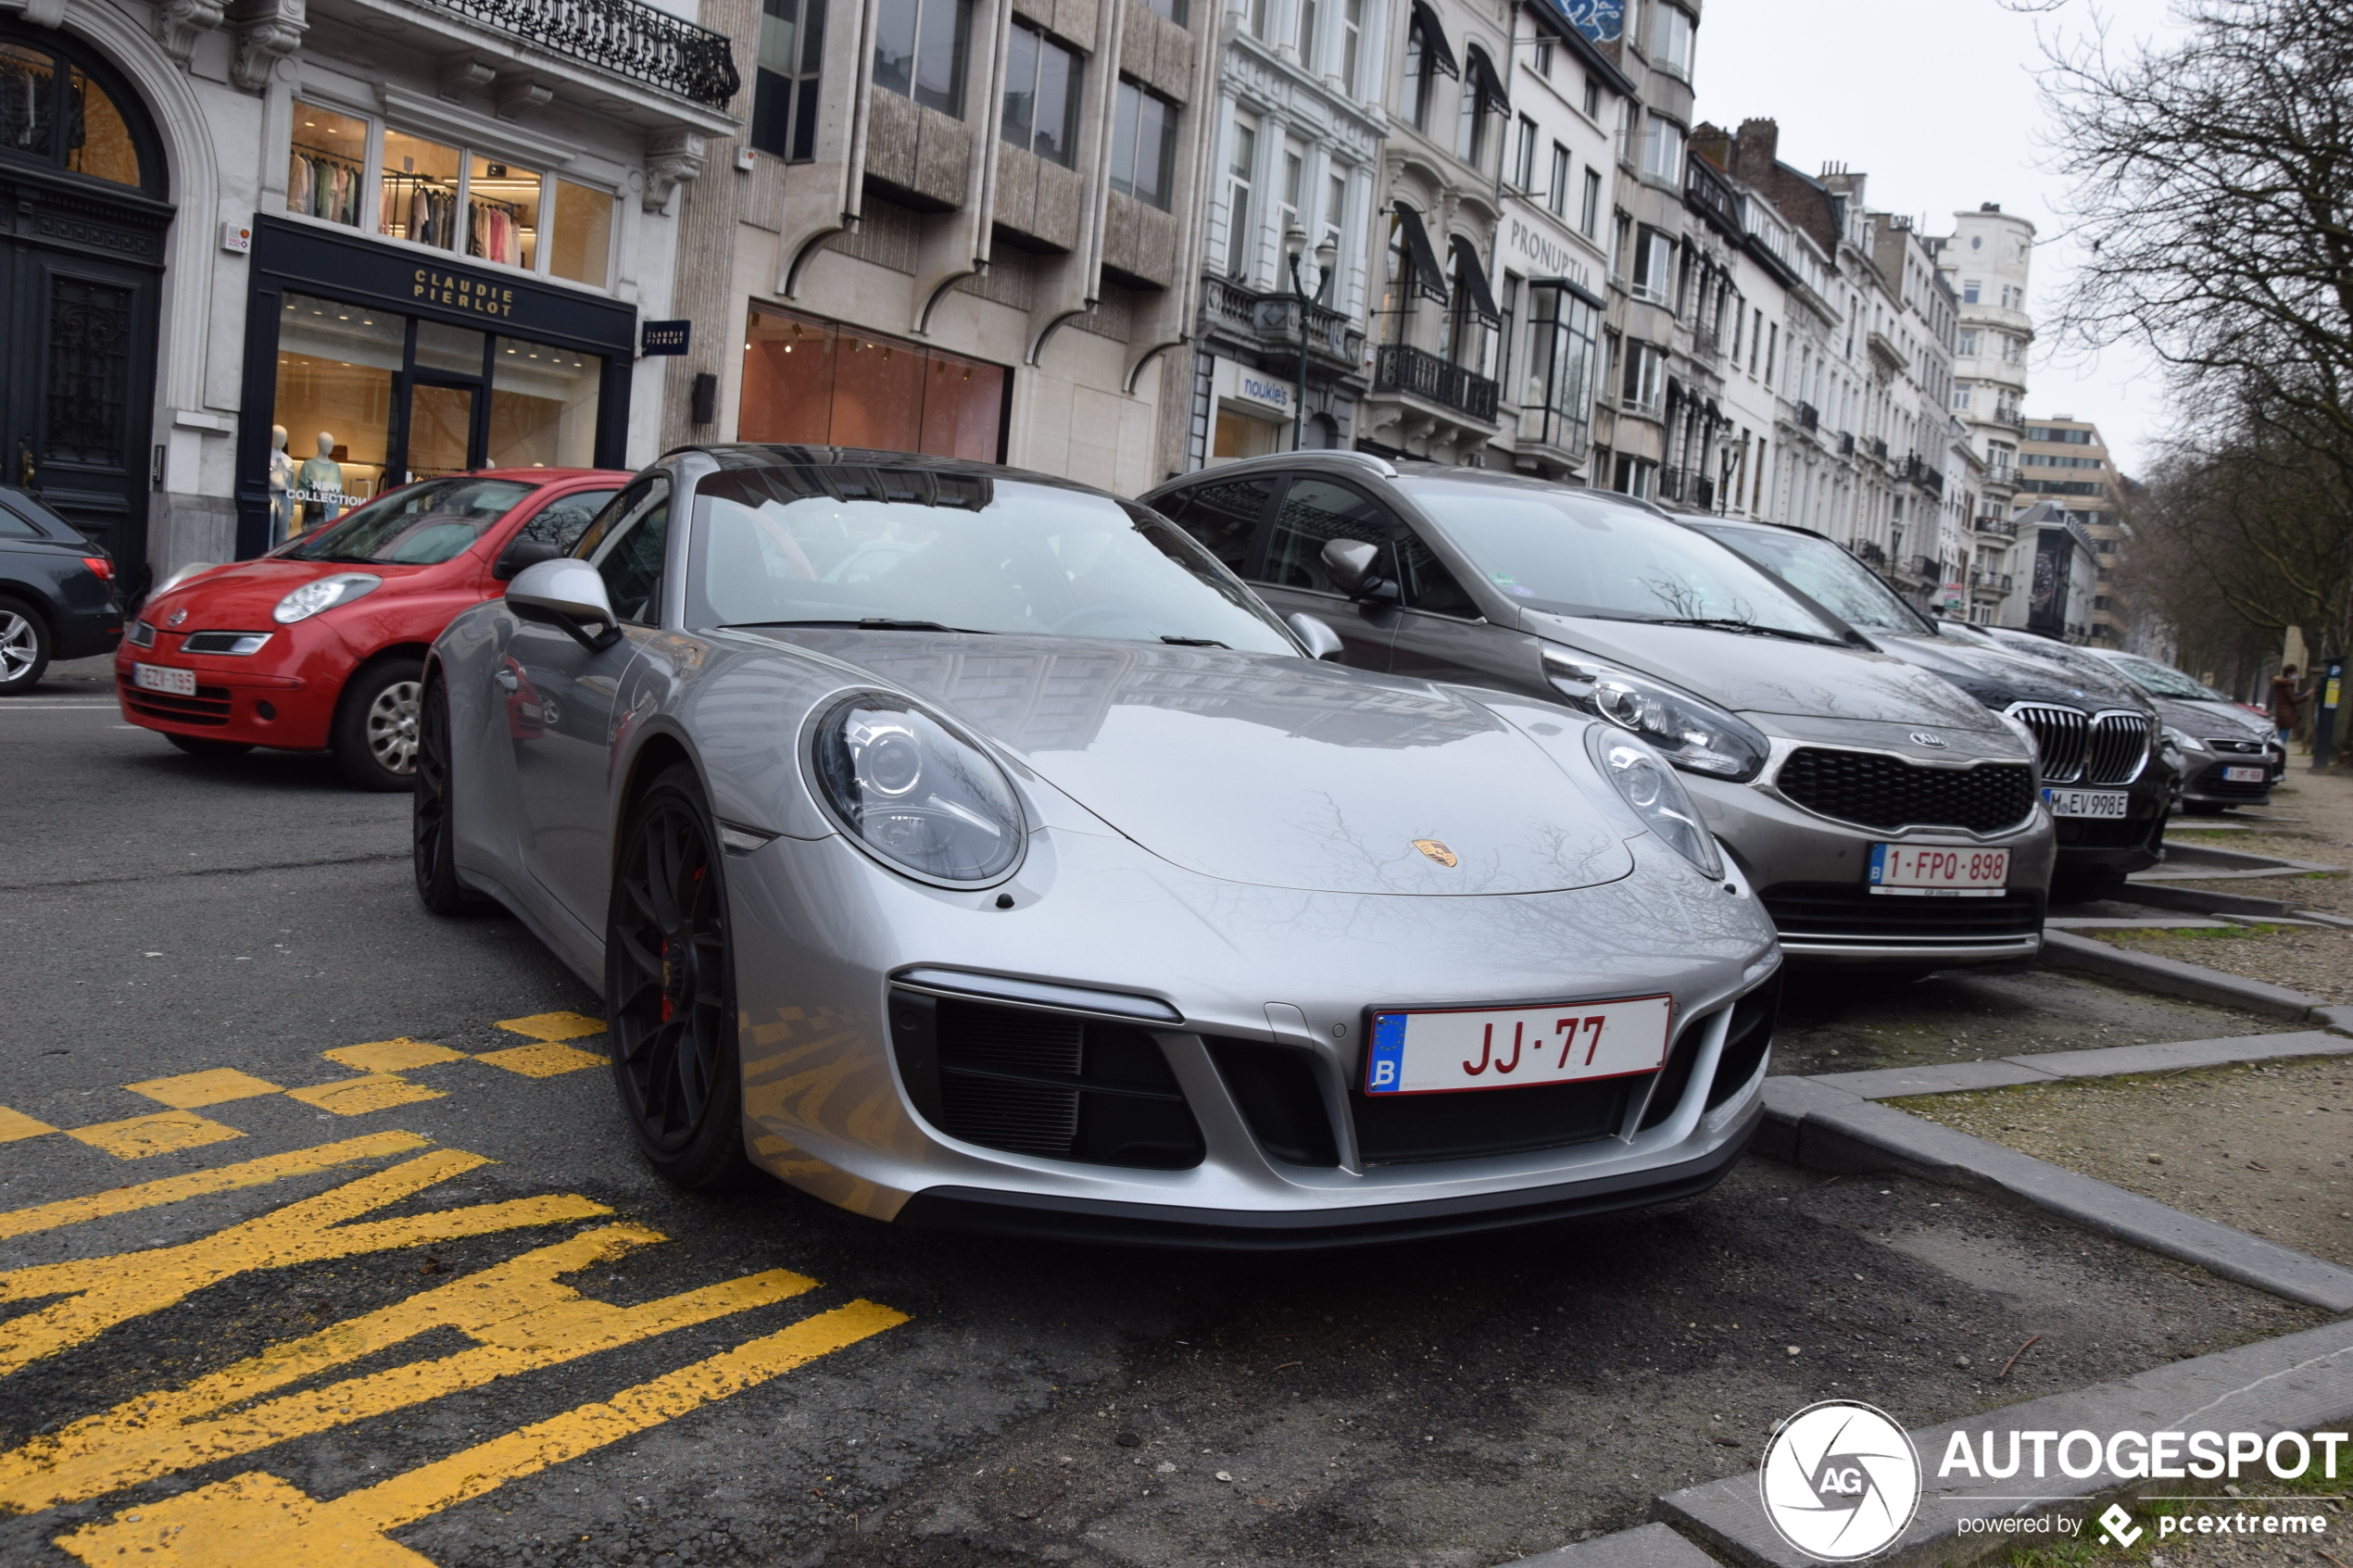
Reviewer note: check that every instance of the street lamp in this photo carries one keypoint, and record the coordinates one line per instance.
(1327, 260)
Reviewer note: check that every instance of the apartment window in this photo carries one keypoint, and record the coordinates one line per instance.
(1173, 9)
(1663, 150)
(1307, 27)
(1654, 266)
(1644, 388)
(2013, 297)
(1967, 344)
(784, 108)
(1562, 353)
(1621, 239)
(1466, 341)
(1960, 397)
(1592, 100)
(1772, 349)
(1590, 214)
(1482, 98)
(1637, 477)
(1524, 156)
(1294, 178)
(1352, 38)
(1509, 309)
(1672, 31)
(1970, 289)
(1042, 96)
(1261, 17)
(1545, 57)
(1335, 213)
(920, 47)
(1400, 288)
(1143, 145)
(1421, 73)
(1238, 186)
(1557, 192)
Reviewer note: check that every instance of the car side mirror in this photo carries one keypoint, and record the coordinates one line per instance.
(522, 553)
(1321, 640)
(568, 595)
(1350, 563)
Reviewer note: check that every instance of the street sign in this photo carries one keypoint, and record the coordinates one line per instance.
(665, 337)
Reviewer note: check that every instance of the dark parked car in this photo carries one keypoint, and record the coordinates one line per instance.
(2104, 778)
(57, 593)
(2232, 756)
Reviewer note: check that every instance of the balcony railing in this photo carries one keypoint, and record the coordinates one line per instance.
(1703, 345)
(1845, 443)
(621, 36)
(1397, 367)
(1808, 417)
(1687, 487)
(1919, 470)
(1990, 582)
(1274, 318)
(1869, 554)
(1879, 449)
(2006, 528)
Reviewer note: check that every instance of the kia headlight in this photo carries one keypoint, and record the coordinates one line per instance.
(1646, 782)
(1686, 732)
(324, 593)
(915, 794)
(2182, 740)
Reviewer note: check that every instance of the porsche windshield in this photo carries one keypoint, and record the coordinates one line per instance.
(417, 524)
(842, 546)
(1824, 573)
(1556, 550)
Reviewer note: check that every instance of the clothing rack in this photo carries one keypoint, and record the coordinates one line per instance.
(422, 207)
(324, 183)
(495, 229)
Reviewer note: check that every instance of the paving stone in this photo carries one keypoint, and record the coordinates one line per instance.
(1646, 1546)
(2299, 1382)
(2166, 1058)
(2172, 977)
(1943, 1078)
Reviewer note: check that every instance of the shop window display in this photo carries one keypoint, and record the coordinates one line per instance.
(502, 213)
(580, 238)
(808, 381)
(336, 364)
(543, 406)
(419, 190)
(326, 165)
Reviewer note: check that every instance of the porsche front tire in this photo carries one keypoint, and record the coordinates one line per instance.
(433, 841)
(670, 988)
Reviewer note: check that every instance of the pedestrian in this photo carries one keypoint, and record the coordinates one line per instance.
(2287, 702)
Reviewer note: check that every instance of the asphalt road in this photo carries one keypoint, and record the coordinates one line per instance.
(262, 1286)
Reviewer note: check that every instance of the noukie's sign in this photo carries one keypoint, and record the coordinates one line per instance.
(452, 291)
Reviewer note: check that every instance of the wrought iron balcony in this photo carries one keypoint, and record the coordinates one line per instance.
(1919, 470)
(1704, 346)
(623, 36)
(1808, 417)
(2006, 528)
(1273, 318)
(1687, 487)
(1990, 582)
(1879, 449)
(1868, 553)
(1845, 443)
(1397, 367)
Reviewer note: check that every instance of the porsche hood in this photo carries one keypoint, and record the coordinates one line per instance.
(1271, 771)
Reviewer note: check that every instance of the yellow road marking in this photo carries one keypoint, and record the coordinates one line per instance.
(15, 1125)
(257, 1518)
(520, 1317)
(102, 1292)
(357, 1097)
(162, 1132)
(193, 1090)
(542, 1061)
(392, 1056)
(199, 1184)
(554, 1025)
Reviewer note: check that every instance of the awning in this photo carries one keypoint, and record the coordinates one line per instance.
(1483, 80)
(1482, 299)
(1430, 278)
(1425, 21)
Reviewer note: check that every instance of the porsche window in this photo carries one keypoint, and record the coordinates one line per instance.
(625, 545)
(1824, 573)
(851, 546)
(415, 525)
(1554, 550)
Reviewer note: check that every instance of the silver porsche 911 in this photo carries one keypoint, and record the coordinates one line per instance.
(970, 848)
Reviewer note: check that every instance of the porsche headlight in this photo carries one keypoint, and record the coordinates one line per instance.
(1689, 733)
(324, 593)
(915, 793)
(1646, 782)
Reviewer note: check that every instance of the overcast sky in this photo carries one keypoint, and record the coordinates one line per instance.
(1936, 100)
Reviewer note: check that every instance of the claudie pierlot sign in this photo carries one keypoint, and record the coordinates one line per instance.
(455, 291)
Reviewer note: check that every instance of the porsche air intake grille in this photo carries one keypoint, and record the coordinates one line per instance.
(1396, 1129)
(2061, 734)
(1047, 1083)
(2119, 748)
(1746, 1039)
(1876, 791)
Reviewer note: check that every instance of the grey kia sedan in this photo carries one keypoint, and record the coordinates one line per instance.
(1885, 818)
(968, 847)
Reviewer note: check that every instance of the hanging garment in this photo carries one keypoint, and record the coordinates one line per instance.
(298, 184)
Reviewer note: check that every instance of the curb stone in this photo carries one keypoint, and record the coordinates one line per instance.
(1825, 1127)
(2171, 977)
(2108, 1061)
(1646, 1546)
(2302, 1382)
(2164, 895)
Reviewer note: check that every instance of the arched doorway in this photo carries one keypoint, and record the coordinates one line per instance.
(83, 207)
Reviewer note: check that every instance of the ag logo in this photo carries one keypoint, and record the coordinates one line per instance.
(1840, 1480)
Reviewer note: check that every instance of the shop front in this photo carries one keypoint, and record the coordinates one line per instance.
(366, 366)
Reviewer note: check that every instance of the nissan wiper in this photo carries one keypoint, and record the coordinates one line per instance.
(1726, 623)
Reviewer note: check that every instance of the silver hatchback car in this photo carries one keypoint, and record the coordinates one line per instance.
(1886, 818)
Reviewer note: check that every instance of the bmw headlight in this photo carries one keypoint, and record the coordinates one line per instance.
(324, 593)
(2182, 740)
(1689, 733)
(1650, 786)
(915, 793)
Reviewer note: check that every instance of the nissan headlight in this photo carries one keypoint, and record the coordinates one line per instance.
(1646, 782)
(324, 593)
(1686, 732)
(2182, 740)
(915, 794)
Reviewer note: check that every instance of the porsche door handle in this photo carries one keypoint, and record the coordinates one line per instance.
(505, 681)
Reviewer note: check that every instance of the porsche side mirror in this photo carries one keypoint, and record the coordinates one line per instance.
(1321, 640)
(568, 595)
(522, 553)
(1349, 563)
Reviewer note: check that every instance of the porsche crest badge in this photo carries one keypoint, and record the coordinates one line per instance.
(1436, 851)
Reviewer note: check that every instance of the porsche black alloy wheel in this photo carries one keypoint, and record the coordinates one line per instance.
(432, 849)
(670, 988)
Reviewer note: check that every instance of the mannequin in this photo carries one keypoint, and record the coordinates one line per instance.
(283, 472)
(322, 481)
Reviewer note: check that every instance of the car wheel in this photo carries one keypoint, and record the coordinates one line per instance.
(196, 745)
(24, 647)
(375, 735)
(670, 988)
(432, 843)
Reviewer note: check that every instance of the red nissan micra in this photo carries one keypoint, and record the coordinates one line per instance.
(321, 644)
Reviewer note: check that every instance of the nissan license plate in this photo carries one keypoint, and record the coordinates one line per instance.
(1444, 1052)
(2106, 804)
(2245, 775)
(163, 678)
(1939, 870)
